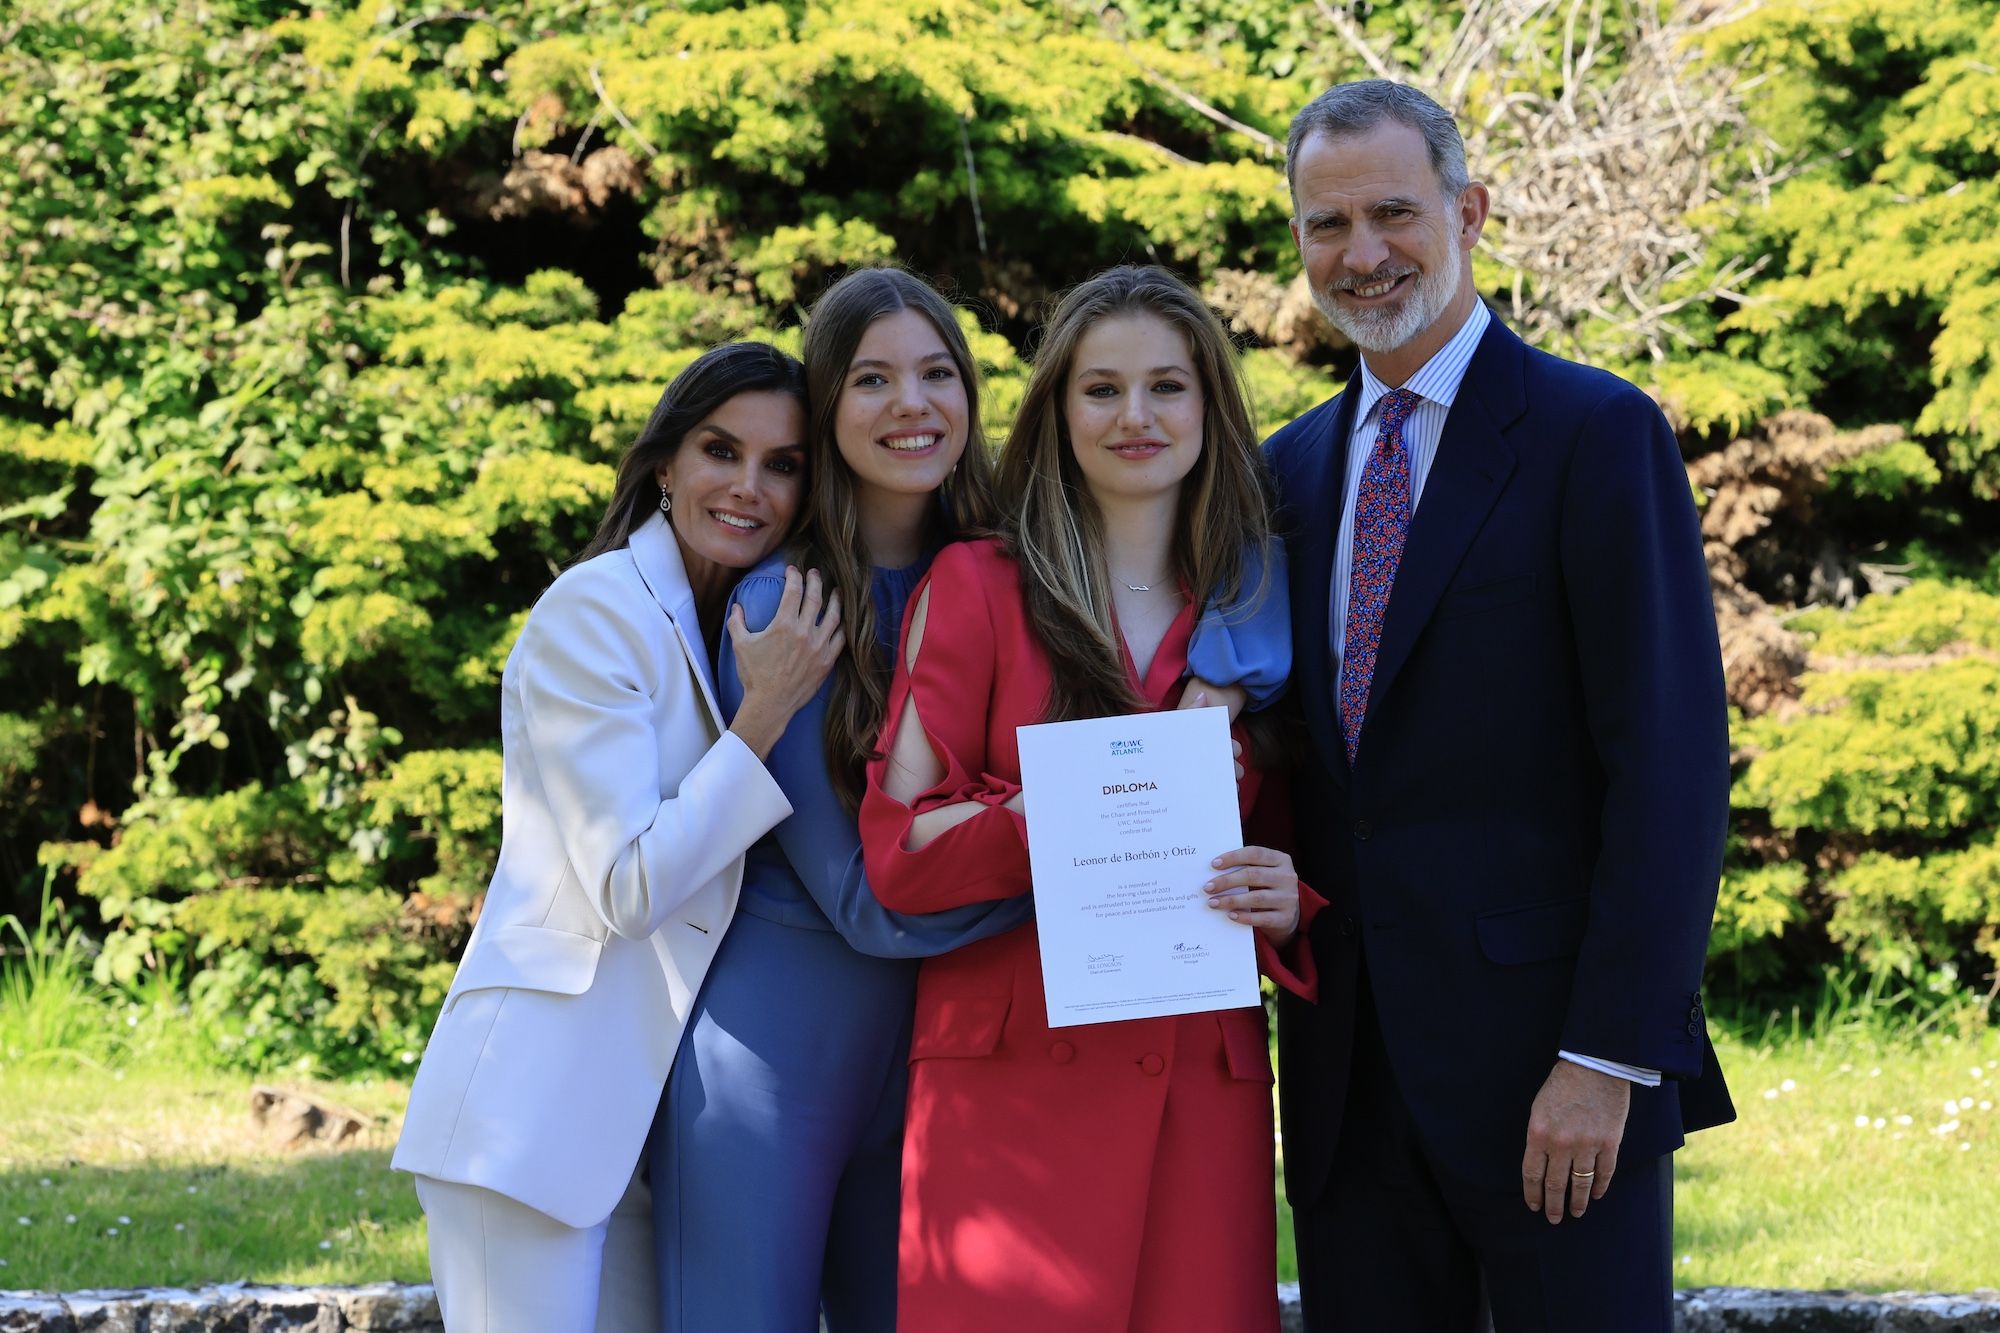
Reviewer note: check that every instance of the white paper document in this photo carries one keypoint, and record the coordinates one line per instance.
(1124, 816)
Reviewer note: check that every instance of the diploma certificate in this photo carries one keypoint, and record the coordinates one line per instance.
(1124, 815)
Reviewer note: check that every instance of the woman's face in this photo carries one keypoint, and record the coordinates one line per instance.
(737, 479)
(900, 423)
(1134, 407)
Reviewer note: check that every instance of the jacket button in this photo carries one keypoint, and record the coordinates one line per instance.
(1062, 1052)
(1347, 926)
(1362, 830)
(1152, 1064)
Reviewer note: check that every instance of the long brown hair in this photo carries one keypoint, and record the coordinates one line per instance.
(830, 538)
(709, 381)
(1054, 528)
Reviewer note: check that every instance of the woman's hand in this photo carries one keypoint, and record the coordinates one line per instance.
(1200, 693)
(1260, 888)
(781, 666)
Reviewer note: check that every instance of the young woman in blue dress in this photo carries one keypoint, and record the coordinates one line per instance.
(776, 1154)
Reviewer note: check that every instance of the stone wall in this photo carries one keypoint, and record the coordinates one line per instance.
(388, 1307)
(385, 1307)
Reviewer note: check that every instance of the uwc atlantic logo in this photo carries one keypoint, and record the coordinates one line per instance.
(1126, 749)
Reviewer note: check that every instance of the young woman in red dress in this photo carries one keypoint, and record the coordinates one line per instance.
(1115, 1176)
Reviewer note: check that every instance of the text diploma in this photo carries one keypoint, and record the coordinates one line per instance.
(1124, 816)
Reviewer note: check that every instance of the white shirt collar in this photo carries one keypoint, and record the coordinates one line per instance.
(1437, 380)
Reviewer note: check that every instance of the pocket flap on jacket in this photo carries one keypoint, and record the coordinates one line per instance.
(1246, 1046)
(529, 958)
(958, 1026)
(1536, 932)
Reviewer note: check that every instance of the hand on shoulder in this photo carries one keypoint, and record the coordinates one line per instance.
(781, 666)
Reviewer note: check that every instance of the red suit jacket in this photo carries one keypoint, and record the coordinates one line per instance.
(1104, 1177)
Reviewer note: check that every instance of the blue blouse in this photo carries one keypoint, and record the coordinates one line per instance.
(807, 872)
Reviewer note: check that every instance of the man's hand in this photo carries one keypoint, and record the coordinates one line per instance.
(1573, 1137)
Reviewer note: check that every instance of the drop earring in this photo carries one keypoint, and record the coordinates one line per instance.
(666, 501)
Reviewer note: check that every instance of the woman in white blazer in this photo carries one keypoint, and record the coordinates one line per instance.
(627, 807)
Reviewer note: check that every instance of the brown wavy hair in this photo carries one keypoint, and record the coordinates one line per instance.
(1054, 528)
(829, 540)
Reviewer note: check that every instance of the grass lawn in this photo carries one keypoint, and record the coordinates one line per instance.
(1857, 1162)
(1854, 1162)
(148, 1177)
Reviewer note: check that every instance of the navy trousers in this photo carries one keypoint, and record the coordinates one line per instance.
(1395, 1245)
(776, 1155)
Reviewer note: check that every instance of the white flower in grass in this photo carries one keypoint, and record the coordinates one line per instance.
(25, 1221)
(111, 1231)
(1876, 1072)
(1879, 1122)
(1979, 1071)
(193, 1190)
(326, 1245)
(1951, 1106)
(1861, 1122)
(1687, 1258)
(1965, 1147)
(1789, 1085)
(1906, 1120)
(1770, 1094)
(1985, 1105)
(70, 1218)
(46, 1182)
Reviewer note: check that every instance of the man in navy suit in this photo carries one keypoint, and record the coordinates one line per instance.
(1507, 663)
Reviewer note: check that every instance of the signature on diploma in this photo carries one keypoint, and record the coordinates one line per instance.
(1188, 952)
(1103, 958)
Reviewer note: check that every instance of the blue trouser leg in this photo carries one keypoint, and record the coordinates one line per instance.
(771, 1137)
(859, 1289)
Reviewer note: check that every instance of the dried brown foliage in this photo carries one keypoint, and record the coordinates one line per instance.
(1777, 469)
(1276, 314)
(1596, 154)
(539, 182)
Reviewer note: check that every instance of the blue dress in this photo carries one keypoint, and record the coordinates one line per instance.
(776, 1155)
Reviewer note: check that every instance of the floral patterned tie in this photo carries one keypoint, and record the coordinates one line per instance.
(1381, 522)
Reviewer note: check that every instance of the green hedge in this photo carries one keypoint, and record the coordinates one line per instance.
(320, 331)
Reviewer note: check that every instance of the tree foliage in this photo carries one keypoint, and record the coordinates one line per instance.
(323, 328)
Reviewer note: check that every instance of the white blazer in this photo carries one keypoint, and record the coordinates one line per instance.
(626, 810)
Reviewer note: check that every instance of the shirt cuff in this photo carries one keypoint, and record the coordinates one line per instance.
(1645, 1078)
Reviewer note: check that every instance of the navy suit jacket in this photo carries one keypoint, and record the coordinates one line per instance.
(1527, 847)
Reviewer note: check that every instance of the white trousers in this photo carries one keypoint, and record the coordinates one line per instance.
(501, 1267)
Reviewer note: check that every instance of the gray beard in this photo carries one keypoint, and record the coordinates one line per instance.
(1386, 328)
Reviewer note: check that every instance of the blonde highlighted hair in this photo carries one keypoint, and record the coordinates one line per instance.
(1053, 526)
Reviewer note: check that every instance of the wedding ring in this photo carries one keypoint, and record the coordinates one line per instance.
(1583, 1175)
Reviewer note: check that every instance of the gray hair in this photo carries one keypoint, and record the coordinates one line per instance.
(1349, 109)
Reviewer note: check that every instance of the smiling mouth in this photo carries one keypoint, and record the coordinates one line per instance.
(911, 444)
(736, 521)
(1375, 291)
(1139, 448)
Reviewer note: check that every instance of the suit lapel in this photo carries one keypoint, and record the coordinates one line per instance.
(1472, 465)
(658, 558)
(1316, 490)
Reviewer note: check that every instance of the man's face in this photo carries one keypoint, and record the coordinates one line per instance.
(1384, 248)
